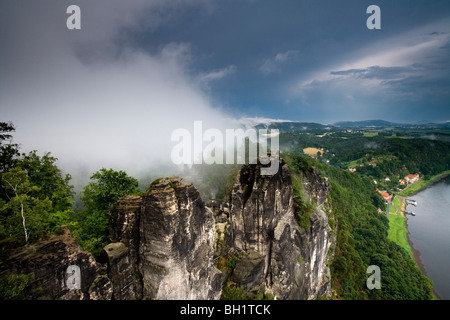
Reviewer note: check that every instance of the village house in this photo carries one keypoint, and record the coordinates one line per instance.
(412, 178)
(386, 196)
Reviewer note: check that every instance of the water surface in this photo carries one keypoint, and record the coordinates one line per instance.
(430, 233)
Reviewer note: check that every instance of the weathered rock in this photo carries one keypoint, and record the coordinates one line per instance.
(177, 244)
(100, 289)
(164, 245)
(262, 221)
(122, 256)
(315, 187)
(122, 271)
(249, 270)
(124, 220)
(61, 269)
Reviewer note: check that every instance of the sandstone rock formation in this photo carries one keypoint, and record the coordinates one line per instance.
(164, 245)
(122, 255)
(61, 269)
(275, 254)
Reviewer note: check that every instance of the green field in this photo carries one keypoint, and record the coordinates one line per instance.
(353, 164)
(395, 204)
(397, 228)
(397, 231)
(370, 134)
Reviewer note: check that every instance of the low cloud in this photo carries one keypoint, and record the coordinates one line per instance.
(214, 75)
(92, 98)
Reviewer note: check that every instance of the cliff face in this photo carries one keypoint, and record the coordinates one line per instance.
(122, 255)
(164, 245)
(320, 236)
(61, 269)
(177, 244)
(275, 254)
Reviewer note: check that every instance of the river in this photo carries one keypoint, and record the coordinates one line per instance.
(429, 233)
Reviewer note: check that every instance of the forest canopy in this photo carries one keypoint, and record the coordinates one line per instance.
(362, 240)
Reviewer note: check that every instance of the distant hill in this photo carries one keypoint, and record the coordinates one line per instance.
(282, 125)
(385, 124)
(367, 124)
(444, 125)
(288, 125)
(292, 126)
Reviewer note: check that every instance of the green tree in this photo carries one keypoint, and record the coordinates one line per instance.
(30, 211)
(105, 188)
(43, 172)
(37, 197)
(8, 154)
(8, 151)
(17, 287)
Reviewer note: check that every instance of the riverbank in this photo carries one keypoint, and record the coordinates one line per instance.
(412, 190)
(399, 233)
(423, 183)
(415, 253)
(397, 230)
(420, 186)
(417, 259)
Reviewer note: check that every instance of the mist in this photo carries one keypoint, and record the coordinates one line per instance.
(92, 98)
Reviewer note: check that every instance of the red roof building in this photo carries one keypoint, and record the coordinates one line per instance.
(412, 178)
(385, 195)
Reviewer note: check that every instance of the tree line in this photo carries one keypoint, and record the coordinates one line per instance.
(391, 156)
(36, 198)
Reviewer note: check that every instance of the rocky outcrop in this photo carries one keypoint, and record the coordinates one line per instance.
(276, 255)
(164, 245)
(122, 255)
(177, 244)
(60, 268)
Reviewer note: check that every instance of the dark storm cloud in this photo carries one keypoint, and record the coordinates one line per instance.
(394, 77)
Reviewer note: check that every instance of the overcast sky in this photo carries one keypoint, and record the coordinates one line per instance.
(117, 88)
